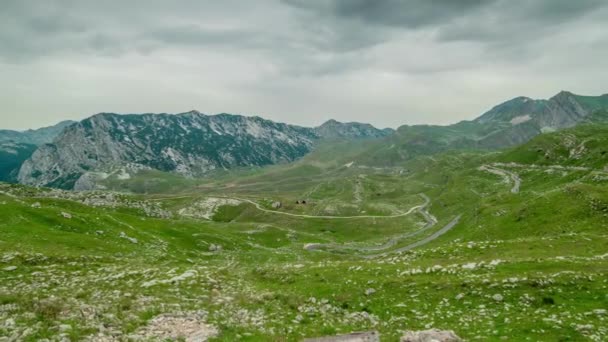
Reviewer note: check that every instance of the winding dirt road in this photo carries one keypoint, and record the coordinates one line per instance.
(508, 176)
(259, 207)
(424, 241)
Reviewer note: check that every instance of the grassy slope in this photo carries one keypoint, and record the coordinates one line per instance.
(548, 244)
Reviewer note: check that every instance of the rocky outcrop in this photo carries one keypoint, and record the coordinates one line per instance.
(520, 119)
(191, 144)
(433, 335)
(189, 327)
(333, 129)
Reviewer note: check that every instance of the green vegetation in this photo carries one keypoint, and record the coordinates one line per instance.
(526, 265)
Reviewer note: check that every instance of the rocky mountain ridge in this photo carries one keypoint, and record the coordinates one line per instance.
(190, 144)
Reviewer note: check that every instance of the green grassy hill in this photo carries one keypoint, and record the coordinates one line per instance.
(439, 241)
(584, 145)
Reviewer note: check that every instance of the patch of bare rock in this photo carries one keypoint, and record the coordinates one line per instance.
(190, 327)
(368, 336)
(432, 335)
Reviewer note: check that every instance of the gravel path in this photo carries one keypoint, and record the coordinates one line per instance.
(424, 241)
(507, 175)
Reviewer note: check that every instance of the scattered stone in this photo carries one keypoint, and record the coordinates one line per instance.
(187, 327)
(215, 248)
(370, 336)
(131, 239)
(432, 335)
(498, 297)
(370, 291)
(277, 205)
(469, 266)
(9, 323)
(9, 268)
(207, 207)
(66, 215)
(65, 327)
(36, 205)
(311, 246)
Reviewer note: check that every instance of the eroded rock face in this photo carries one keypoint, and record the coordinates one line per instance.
(432, 335)
(190, 144)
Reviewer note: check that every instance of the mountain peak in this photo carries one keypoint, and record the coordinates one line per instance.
(563, 94)
(333, 129)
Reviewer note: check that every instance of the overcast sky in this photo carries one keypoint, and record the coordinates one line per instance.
(387, 62)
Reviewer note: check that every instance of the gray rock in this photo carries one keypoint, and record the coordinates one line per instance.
(131, 239)
(215, 248)
(65, 327)
(432, 335)
(173, 143)
(370, 336)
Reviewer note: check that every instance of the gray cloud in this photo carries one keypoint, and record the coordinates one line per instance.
(408, 13)
(386, 61)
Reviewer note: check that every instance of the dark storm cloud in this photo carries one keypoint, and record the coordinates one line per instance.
(505, 21)
(400, 13)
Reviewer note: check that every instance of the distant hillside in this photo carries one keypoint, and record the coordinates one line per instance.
(193, 144)
(522, 118)
(190, 144)
(17, 146)
(333, 129)
(584, 146)
(34, 136)
(12, 155)
(509, 124)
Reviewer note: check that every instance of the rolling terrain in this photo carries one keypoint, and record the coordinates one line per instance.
(508, 245)
(108, 146)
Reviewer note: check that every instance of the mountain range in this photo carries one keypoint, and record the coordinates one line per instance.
(190, 144)
(74, 154)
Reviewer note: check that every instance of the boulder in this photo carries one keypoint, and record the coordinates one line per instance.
(215, 248)
(432, 335)
(370, 291)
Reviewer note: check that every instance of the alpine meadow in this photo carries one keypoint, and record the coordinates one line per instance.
(472, 219)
